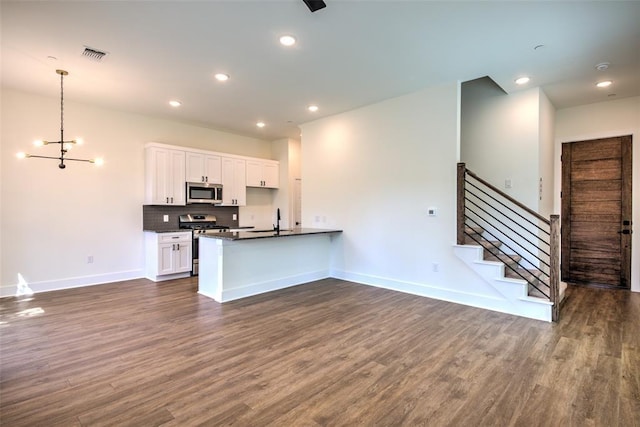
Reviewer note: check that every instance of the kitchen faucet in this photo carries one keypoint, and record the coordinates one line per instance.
(276, 228)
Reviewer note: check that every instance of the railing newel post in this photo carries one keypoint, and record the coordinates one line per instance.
(462, 171)
(554, 269)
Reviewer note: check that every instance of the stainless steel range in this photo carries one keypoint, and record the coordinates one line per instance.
(200, 224)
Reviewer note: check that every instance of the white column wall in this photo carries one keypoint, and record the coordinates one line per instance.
(373, 172)
(501, 141)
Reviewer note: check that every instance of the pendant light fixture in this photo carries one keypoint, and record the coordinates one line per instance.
(64, 145)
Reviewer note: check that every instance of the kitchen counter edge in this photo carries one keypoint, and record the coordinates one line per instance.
(248, 235)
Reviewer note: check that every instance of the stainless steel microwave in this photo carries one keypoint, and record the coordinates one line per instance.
(201, 192)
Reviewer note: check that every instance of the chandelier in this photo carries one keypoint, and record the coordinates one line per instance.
(64, 145)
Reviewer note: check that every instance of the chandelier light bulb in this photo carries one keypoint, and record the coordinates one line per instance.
(38, 143)
(22, 155)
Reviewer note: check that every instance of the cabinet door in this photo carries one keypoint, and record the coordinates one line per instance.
(166, 258)
(176, 182)
(234, 182)
(254, 174)
(156, 165)
(182, 257)
(271, 175)
(240, 172)
(228, 177)
(212, 169)
(195, 167)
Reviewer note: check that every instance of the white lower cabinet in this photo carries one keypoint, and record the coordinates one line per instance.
(168, 255)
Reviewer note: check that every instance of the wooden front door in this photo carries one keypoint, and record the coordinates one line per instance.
(596, 212)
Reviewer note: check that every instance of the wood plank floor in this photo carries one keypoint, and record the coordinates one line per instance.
(329, 353)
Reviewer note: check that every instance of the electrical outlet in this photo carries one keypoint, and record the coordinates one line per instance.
(235, 217)
(90, 259)
(165, 218)
(436, 267)
(507, 183)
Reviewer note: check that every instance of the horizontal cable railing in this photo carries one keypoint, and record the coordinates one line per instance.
(526, 242)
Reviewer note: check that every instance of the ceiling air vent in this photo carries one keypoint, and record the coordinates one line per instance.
(93, 54)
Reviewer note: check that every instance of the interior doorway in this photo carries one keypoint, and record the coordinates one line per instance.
(596, 212)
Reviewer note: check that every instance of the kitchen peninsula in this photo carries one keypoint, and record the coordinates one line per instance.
(246, 263)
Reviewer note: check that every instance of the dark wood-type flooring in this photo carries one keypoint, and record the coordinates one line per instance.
(138, 353)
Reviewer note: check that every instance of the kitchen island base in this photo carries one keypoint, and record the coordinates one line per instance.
(233, 269)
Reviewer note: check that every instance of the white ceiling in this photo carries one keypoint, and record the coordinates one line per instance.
(350, 54)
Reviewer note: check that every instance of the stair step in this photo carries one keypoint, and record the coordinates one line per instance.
(493, 246)
(473, 230)
(511, 260)
(533, 277)
(529, 275)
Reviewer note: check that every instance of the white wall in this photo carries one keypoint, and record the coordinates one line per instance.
(500, 140)
(53, 219)
(287, 152)
(373, 172)
(546, 115)
(605, 119)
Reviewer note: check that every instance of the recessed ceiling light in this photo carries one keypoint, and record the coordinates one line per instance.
(522, 80)
(312, 108)
(605, 83)
(221, 77)
(175, 103)
(261, 124)
(287, 40)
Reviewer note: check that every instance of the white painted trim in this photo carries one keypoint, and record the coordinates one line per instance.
(271, 285)
(73, 282)
(424, 290)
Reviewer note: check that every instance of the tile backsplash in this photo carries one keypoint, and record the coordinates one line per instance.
(152, 216)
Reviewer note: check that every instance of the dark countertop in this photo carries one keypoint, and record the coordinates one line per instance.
(267, 234)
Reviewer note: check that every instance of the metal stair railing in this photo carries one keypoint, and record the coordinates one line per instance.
(512, 231)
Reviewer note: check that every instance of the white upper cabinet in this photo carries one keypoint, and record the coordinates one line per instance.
(234, 182)
(263, 173)
(164, 176)
(168, 168)
(203, 168)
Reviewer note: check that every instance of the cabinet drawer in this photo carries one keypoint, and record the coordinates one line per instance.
(174, 237)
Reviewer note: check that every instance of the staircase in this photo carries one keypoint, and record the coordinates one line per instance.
(511, 247)
(505, 274)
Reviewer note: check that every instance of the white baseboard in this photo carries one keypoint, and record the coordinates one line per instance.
(420, 289)
(272, 285)
(73, 282)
